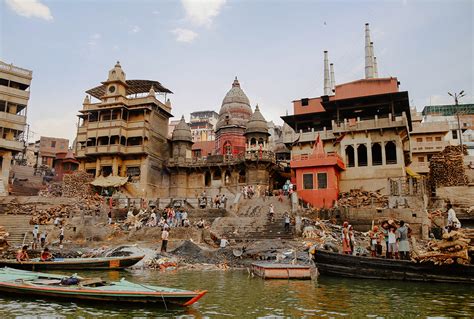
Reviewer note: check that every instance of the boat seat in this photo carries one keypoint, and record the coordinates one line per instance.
(46, 282)
(92, 282)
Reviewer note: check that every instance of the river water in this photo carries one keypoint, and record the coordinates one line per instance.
(236, 294)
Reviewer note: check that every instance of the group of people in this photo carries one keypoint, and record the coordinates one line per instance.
(169, 217)
(22, 254)
(219, 201)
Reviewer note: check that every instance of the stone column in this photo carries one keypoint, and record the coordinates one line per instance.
(384, 159)
(356, 156)
(369, 154)
(97, 167)
(114, 166)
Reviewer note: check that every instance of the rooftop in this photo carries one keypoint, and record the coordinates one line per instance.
(133, 87)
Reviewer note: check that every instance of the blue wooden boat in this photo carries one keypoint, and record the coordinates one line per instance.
(36, 284)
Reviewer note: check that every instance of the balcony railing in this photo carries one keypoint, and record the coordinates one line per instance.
(12, 144)
(14, 69)
(15, 118)
(436, 146)
(14, 92)
(369, 124)
(111, 149)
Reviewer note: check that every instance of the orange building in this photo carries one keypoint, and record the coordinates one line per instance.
(317, 176)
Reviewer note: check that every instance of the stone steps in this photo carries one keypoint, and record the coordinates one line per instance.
(17, 226)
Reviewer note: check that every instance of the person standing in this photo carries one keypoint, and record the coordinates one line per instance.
(61, 235)
(346, 241)
(43, 238)
(271, 213)
(35, 237)
(392, 243)
(351, 238)
(184, 216)
(164, 239)
(287, 222)
(109, 216)
(403, 243)
(373, 235)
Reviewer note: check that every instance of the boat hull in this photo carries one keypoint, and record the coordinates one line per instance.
(157, 298)
(74, 264)
(334, 264)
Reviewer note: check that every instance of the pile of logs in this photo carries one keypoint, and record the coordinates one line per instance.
(48, 215)
(53, 190)
(361, 198)
(77, 184)
(452, 249)
(447, 167)
(3, 238)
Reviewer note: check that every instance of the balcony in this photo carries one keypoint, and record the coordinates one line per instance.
(306, 137)
(370, 124)
(428, 147)
(10, 68)
(24, 95)
(13, 121)
(430, 127)
(111, 149)
(11, 145)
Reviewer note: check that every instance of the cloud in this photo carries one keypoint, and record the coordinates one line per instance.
(93, 39)
(202, 12)
(30, 8)
(184, 35)
(135, 29)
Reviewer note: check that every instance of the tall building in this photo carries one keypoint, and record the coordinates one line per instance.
(203, 125)
(124, 133)
(14, 95)
(363, 129)
(49, 147)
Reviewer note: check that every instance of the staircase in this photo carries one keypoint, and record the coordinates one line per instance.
(17, 226)
(254, 223)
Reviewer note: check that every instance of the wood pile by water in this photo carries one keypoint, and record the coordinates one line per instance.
(447, 167)
(452, 249)
(362, 198)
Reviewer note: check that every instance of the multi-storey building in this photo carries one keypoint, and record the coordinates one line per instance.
(49, 147)
(14, 95)
(203, 124)
(363, 127)
(125, 132)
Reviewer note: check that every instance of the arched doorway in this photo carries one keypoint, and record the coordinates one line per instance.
(376, 154)
(361, 155)
(227, 178)
(350, 161)
(391, 153)
(207, 179)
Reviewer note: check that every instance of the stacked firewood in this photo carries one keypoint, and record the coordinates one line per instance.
(452, 249)
(77, 185)
(362, 198)
(447, 167)
(3, 238)
(52, 190)
(48, 215)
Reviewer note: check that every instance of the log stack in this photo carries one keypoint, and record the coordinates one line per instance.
(48, 215)
(3, 238)
(77, 184)
(452, 249)
(447, 167)
(361, 198)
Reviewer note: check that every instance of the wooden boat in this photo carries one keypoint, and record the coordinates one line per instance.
(103, 263)
(281, 271)
(329, 263)
(22, 282)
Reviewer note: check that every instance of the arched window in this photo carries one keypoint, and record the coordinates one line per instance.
(207, 179)
(227, 178)
(242, 178)
(391, 153)
(217, 174)
(227, 149)
(362, 155)
(260, 141)
(350, 161)
(376, 154)
(253, 141)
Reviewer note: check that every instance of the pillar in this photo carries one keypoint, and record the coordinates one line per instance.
(384, 160)
(114, 166)
(356, 156)
(369, 154)
(97, 167)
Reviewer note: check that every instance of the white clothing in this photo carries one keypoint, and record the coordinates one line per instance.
(224, 242)
(62, 232)
(452, 219)
(392, 238)
(165, 234)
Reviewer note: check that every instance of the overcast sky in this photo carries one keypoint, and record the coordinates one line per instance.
(196, 47)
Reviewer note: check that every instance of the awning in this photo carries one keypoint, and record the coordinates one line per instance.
(109, 181)
(412, 173)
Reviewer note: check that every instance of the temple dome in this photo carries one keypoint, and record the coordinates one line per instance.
(182, 132)
(235, 109)
(257, 123)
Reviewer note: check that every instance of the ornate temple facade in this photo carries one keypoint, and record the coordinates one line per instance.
(125, 134)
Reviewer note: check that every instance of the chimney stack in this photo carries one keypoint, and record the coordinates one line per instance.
(374, 59)
(333, 80)
(376, 70)
(327, 81)
(369, 61)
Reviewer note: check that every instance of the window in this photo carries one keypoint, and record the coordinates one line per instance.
(429, 139)
(391, 153)
(133, 171)
(307, 181)
(362, 155)
(421, 159)
(350, 156)
(322, 181)
(419, 139)
(304, 102)
(376, 154)
(438, 138)
(53, 143)
(455, 134)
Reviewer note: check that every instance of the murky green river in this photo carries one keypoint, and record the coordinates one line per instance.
(235, 294)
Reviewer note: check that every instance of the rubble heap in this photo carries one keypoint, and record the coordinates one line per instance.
(3, 238)
(361, 198)
(453, 248)
(447, 167)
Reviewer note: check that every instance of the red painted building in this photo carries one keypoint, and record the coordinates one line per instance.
(64, 163)
(234, 114)
(317, 176)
